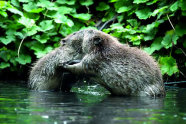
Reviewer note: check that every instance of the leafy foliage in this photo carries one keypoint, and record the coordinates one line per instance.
(168, 65)
(37, 26)
(155, 25)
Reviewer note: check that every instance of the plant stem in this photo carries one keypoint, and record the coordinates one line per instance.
(18, 51)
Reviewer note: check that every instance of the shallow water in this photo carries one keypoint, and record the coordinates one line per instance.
(19, 105)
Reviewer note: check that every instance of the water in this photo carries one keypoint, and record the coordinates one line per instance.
(19, 105)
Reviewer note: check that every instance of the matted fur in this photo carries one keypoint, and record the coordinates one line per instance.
(46, 73)
(121, 69)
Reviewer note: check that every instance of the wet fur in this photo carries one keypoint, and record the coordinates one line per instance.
(47, 73)
(121, 69)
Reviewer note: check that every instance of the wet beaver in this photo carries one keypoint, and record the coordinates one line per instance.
(48, 74)
(121, 69)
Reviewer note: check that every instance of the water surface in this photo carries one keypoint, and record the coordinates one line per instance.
(19, 105)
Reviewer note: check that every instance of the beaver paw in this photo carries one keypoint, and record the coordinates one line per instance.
(74, 67)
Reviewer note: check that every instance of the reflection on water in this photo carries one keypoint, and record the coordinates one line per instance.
(19, 105)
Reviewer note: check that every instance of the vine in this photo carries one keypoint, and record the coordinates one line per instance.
(156, 26)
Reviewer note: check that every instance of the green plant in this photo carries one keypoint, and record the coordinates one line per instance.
(35, 27)
(30, 29)
(157, 26)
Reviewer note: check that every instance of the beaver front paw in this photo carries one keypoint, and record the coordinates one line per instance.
(71, 62)
(74, 66)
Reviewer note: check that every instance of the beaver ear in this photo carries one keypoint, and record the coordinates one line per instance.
(97, 40)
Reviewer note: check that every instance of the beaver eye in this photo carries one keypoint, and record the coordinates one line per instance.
(63, 42)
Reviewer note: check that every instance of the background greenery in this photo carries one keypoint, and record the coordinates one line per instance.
(31, 28)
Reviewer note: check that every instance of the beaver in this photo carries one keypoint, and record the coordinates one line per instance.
(48, 74)
(123, 70)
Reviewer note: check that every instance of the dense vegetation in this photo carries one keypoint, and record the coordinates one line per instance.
(31, 28)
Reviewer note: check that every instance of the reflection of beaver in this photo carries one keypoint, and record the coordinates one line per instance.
(121, 69)
(47, 73)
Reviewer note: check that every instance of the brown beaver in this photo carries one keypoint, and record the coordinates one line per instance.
(121, 69)
(48, 74)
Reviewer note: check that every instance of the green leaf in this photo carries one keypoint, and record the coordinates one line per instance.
(181, 29)
(183, 13)
(15, 3)
(117, 26)
(68, 2)
(10, 36)
(28, 23)
(66, 30)
(5, 55)
(33, 16)
(169, 39)
(112, 1)
(41, 38)
(102, 6)
(124, 9)
(39, 49)
(150, 27)
(174, 6)
(178, 51)
(6, 40)
(64, 20)
(40, 54)
(82, 16)
(4, 14)
(136, 39)
(32, 8)
(47, 4)
(25, 1)
(133, 22)
(160, 10)
(109, 15)
(152, 2)
(15, 11)
(144, 13)
(140, 1)
(31, 31)
(64, 10)
(46, 25)
(148, 50)
(4, 65)
(121, 3)
(23, 59)
(156, 45)
(3, 4)
(36, 46)
(10, 32)
(183, 5)
(86, 2)
(168, 65)
(19, 34)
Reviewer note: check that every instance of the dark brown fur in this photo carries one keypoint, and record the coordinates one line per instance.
(123, 70)
(47, 73)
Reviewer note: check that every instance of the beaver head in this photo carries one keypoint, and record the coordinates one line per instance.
(95, 40)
